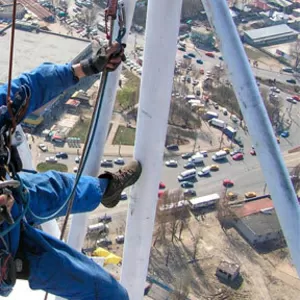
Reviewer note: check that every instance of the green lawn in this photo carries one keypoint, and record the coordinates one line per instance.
(81, 130)
(43, 167)
(124, 136)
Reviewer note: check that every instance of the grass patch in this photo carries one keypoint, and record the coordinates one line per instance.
(128, 96)
(255, 54)
(44, 167)
(124, 136)
(82, 128)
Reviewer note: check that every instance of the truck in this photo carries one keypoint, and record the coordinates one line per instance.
(197, 158)
(230, 132)
(211, 115)
(217, 123)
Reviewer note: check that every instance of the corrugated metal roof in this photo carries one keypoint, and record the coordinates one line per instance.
(270, 31)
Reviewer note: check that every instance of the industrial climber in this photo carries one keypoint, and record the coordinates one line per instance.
(26, 252)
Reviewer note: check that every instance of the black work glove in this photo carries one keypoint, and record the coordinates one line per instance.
(106, 58)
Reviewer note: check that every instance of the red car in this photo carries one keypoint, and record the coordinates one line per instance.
(238, 156)
(253, 152)
(210, 54)
(228, 183)
(297, 98)
(160, 193)
(162, 185)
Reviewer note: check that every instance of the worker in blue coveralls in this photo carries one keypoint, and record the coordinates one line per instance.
(46, 262)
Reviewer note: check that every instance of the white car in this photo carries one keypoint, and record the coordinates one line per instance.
(292, 100)
(205, 171)
(75, 169)
(275, 89)
(51, 159)
(119, 161)
(43, 147)
(77, 159)
(171, 163)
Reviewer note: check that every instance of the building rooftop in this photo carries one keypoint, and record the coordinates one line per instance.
(262, 223)
(271, 31)
(282, 3)
(32, 49)
(252, 207)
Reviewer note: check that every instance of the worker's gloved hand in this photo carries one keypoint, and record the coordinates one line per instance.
(6, 203)
(106, 58)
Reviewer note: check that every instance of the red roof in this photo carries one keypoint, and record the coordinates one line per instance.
(253, 207)
(73, 102)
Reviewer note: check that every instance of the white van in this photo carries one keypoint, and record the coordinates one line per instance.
(219, 155)
(205, 171)
(99, 227)
(197, 158)
(187, 175)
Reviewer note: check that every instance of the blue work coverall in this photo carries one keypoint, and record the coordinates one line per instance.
(54, 266)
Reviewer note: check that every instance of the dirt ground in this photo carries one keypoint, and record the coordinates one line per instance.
(263, 277)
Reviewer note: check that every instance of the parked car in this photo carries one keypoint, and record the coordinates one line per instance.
(189, 165)
(227, 150)
(238, 156)
(119, 161)
(204, 153)
(292, 81)
(171, 163)
(160, 193)
(204, 172)
(105, 219)
(172, 147)
(51, 159)
(232, 196)
(123, 196)
(189, 193)
(253, 152)
(288, 70)
(187, 155)
(214, 168)
(43, 147)
(228, 183)
(162, 185)
(291, 100)
(297, 98)
(199, 61)
(192, 55)
(236, 151)
(104, 243)
(77, 159)
(198, 93)
(250, 195)
(201, 71)
(285, 134)
(275, 89)
(107, 163)
(210, 54)
(120, 239)
(75, 169)
(63, 155)
(187, 184)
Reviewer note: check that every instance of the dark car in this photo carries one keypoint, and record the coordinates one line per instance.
(120, 239)
(292, 81)
(104, 243)
(187, 155)
(189, 165)
(105, 219)
(107, 163)
(189, 193)
(172, 147)
(192, 55)
(199, 61)
(63, 155)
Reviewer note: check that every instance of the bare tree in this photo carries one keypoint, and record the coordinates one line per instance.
(196, 244)
(89, 16)
(295, 177)
(191, 8)
(295, 53)
(182, 286)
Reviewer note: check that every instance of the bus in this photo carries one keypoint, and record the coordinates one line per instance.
(187, 175)
(190, 97)
(219, 155)
(204, 201)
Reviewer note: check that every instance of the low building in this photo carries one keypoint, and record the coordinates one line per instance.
(270, 35)
(257, 221)
(228, 271)
(72, 106)
(282, 5)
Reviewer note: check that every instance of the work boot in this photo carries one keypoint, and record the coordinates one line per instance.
(118, 181)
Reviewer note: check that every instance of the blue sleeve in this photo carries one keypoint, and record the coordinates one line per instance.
(49, 191)
(45, 82)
